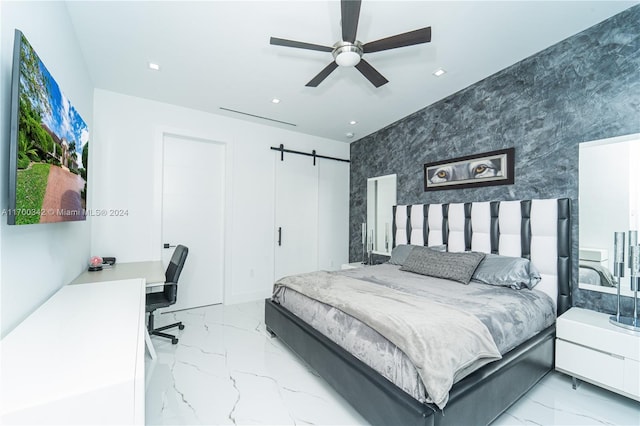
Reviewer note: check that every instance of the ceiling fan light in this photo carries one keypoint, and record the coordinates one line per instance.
(348, 59)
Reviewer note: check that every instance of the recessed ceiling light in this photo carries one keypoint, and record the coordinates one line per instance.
(154, 66)
(439, 72)
(350, 134)
(275, 101)
(352, 122)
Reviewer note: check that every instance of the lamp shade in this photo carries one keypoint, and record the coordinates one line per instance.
(348, 59)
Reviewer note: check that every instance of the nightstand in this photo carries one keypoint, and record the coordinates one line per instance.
(590, 348)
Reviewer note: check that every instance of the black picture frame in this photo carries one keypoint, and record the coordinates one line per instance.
(485, 169)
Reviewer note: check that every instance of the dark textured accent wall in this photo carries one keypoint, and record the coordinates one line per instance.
(584, 88)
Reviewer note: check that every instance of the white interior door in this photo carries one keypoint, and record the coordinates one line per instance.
(296, 215)
(193, 215)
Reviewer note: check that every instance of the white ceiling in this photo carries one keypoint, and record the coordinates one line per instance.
(217, 54)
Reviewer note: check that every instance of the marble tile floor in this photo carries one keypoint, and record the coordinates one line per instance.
(227, 370)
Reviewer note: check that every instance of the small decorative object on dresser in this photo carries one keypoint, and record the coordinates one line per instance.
(590, 348)
(364, 244)
(95, 264)
(633, 251)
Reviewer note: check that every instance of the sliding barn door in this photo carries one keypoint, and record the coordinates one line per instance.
(296, 214)
(312, 214)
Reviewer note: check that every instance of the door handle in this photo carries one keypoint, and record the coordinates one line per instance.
(280, 235)
(167, 245)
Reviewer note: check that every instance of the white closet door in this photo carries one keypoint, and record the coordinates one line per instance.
(193, 215)
(333, 219)
(296, 215)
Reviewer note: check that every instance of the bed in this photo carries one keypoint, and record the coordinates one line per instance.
(530, 229)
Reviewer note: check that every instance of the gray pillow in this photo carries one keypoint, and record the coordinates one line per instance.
(451, 266)
(505, 271)
(400, 253)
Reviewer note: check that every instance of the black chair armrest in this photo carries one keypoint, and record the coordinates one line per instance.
(171, 291)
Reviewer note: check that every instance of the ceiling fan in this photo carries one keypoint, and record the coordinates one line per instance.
(348, 52)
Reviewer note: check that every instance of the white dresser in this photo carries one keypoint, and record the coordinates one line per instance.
(78, 359)
(590, 348)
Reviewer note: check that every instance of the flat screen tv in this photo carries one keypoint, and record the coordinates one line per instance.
(49, 146)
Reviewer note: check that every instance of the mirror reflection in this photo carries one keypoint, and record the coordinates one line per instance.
(381, 197)
(609, 201)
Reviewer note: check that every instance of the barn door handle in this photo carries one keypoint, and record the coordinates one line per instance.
(280, 235)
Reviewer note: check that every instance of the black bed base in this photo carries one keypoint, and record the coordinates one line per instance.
(476, 400)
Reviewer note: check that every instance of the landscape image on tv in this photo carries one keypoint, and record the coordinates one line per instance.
(52, 147)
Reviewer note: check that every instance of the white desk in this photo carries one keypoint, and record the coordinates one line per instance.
(78, 359)
(152, 272)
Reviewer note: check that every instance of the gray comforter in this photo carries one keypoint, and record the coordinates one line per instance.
(473, 324)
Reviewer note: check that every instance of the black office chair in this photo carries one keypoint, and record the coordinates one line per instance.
(169, 295)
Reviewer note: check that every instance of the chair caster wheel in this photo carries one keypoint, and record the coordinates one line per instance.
(174, 341)
(181, 327)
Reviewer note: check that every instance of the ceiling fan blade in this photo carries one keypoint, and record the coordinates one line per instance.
(423, 35)
(299, 44)
(350, 10)
(371, 73)
(322, 75)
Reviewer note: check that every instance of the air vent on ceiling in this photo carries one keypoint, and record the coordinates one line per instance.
(257, 116)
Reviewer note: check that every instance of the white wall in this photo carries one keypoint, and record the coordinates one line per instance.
(127, 153)
(36, 260)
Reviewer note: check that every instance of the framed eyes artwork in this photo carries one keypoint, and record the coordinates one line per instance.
(486, 169)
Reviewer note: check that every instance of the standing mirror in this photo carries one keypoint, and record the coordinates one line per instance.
(381, 197)
(609, 201)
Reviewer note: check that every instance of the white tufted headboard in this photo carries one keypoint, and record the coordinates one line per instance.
(534, 229)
